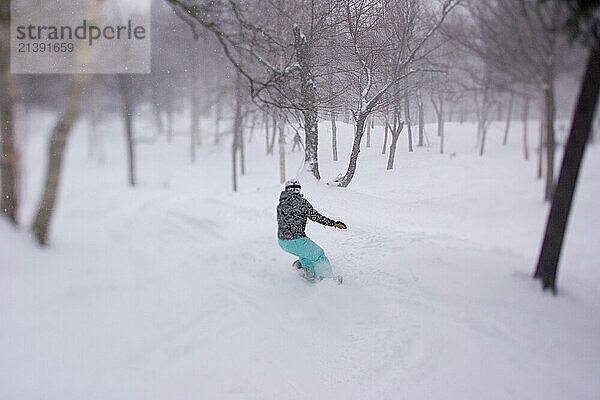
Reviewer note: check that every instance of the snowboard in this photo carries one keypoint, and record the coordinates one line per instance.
(310, 277)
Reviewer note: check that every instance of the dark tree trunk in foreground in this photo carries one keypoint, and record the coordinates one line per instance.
(8, 152)
(563, 197)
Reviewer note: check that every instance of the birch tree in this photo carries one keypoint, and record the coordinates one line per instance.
(59, 135)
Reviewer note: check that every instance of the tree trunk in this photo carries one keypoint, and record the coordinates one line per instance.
(9, 156)
(59, 136)
(128, 119)
(439, 113)
(95, 137)
(266, 125)
(237, 127)
(309, 101)
(369, 120)
(390, 163)
(508, 118)
(385, 132)
(242, 148)
(549, 125)
(57, 144)
(125, 83)
(334, 136)
(396, 130)
(440, 120)
(421, 120)
(499, 112)
(157, 108)
(281, 151)
(483, 120)
(540, 149)
(525, 117)
(547, 266)
(252, 126)
(441, 128)
(273, 135)
(408, 123)
(360, 127)
(482, 143)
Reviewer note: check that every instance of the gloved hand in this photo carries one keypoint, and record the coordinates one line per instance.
(340, 225)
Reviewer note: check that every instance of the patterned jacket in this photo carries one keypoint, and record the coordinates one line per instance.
(292, 212)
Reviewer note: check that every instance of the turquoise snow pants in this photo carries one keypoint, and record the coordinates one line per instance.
(311, 255)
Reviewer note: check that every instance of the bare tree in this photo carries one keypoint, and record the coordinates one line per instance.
(9, 153)
(585, 21)
(59, 136)
(127, 92)
(238, 125)
(438, 100)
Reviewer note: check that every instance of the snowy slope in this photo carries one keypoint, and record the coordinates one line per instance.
(177, 289)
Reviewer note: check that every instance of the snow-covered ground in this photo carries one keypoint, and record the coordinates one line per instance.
(177, 289)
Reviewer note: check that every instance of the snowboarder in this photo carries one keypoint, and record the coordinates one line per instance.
(292, 211)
